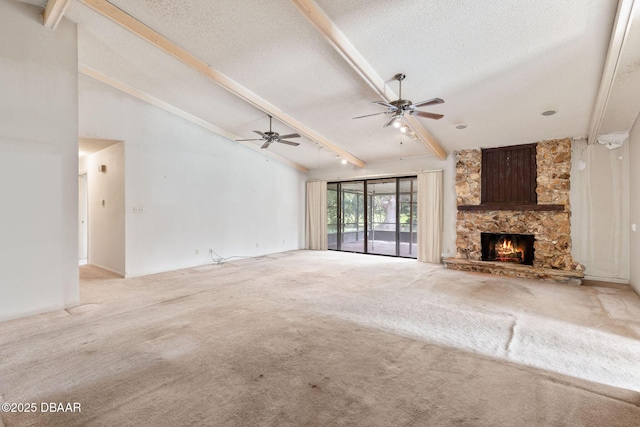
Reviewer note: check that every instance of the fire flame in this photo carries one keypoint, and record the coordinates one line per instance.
(507, 246)
(506, 251)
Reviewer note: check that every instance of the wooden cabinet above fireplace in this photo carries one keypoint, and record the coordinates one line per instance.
(508, 180)
(509, 174)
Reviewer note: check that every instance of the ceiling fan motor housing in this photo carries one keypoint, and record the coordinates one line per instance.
(402, 104)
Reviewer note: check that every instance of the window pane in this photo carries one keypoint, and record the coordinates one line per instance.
(352, 224)
(332, 215)
(382, 216)
(408, 217)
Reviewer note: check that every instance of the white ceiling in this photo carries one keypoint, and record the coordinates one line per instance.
(496, 64)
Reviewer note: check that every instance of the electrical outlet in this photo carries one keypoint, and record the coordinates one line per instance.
(197, 251)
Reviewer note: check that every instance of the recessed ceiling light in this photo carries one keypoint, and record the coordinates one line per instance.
(461, 126)
(549, 112)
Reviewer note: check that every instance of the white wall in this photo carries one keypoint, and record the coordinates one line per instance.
(407, 166)
(197, 189)
(600, 210)
(634, 204)
(106, 221)
(83, 164)
(38, 163)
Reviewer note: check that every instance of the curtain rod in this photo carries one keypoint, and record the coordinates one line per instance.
(380, 175)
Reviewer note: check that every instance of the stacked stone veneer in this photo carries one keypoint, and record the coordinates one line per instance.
(552, 229)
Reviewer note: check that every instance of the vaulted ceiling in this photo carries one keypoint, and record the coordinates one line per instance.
(315, 65)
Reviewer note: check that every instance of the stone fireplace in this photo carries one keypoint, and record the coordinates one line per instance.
(543, 223)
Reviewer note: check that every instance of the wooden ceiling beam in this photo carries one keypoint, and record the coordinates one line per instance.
(619, 35)
(142, 96)
(352, 56)
(138, 28)
(53, 13)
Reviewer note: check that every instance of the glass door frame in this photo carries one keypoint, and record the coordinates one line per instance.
(367, 207)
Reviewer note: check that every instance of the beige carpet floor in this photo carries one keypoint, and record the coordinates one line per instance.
(327, 339)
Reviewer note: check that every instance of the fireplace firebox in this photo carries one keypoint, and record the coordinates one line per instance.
(504, 247)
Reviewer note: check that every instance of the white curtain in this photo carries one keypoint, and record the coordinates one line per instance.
(600, 210)
(430, 216)
(317, 215)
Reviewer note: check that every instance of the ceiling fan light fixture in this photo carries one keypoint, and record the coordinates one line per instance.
(343, 161)
(404, 128)
(401, 106)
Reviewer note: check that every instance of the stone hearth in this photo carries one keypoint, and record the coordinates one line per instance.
(549, 220)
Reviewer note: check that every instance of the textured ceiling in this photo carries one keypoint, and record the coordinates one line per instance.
(496, 64)
(88, 146)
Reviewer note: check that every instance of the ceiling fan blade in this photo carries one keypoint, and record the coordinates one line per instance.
(386, 104)
(433, 101)
(290, 135)
(257, 139)
(266, 144)
(288, 142)
(394, 117)
(374, 114)
(260, 133)
(427, 115)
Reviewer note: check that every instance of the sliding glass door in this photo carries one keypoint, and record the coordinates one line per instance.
(332, 215)
(373, 216)
(382, 221)
(408, 217)
(352, 229)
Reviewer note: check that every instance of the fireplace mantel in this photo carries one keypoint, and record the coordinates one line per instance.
(510, 207)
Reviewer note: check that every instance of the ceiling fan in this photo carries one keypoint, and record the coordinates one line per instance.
(401, 106)
(271, 137)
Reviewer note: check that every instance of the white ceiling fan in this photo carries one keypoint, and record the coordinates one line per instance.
(399, 107)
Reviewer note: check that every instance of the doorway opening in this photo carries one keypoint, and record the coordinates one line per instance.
(101, 204)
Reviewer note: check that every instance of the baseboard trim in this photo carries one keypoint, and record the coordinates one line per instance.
(108, 269)
(607, 279)
(37, 311)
